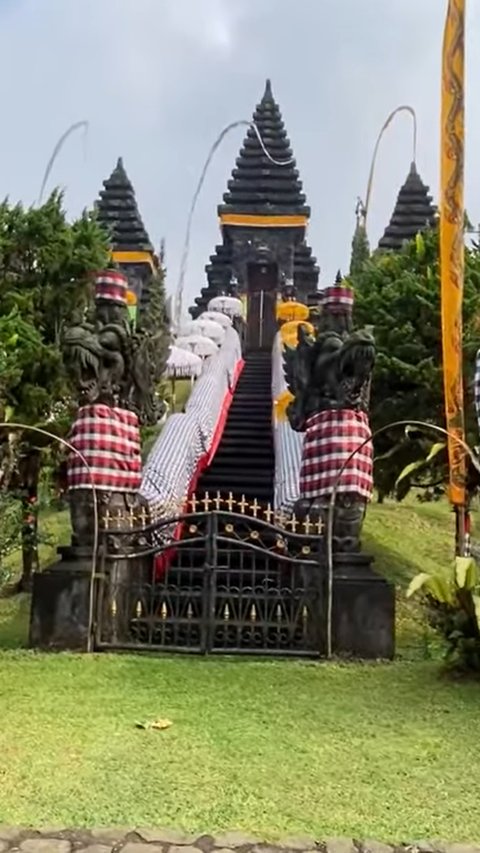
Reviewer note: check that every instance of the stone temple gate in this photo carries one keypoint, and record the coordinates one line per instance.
(241, 533)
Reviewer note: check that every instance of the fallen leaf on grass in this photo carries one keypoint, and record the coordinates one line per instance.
(158, 725)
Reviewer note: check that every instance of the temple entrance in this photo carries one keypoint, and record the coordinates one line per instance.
(261, 319)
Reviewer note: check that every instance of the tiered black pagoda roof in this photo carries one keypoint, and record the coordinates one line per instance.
(304, 263)
(258, 186)
(413, 212)
(219, 272)
(117, 212)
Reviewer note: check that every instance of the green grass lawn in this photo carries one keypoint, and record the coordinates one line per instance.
(270, 747)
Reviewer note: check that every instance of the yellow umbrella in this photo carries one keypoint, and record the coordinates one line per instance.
(289, 331)
(292, 311)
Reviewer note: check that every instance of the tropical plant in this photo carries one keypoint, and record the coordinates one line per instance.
(399, 294)
(46, 266)
(452, 603)
(10, 532)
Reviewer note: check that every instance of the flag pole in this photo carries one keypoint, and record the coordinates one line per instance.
(452, 254)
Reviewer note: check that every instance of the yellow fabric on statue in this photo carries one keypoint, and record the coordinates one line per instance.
(280, 406)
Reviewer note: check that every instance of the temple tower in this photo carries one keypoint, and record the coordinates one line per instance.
(132, 250)
(413, 212)
(263, 220)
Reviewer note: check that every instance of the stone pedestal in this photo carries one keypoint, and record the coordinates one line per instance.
(363, 618)
(59, 613)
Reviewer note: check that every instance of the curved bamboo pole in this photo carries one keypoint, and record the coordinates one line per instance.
(186, 247)
(386, 124)
(58, 147)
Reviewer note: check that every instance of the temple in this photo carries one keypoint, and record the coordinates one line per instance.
(263, 220)
(132, 250)
(413, 212)
(219, 546)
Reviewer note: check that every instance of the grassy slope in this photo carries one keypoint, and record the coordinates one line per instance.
(271, 747)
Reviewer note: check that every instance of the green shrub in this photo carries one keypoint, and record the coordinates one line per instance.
(452, 604)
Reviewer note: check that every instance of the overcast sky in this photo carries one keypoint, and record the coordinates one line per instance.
(158, 80)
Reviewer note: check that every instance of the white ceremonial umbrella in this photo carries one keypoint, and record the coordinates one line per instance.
(229, 305)
(217, 317)
(182, 363)
(207, 328)
(198, 344)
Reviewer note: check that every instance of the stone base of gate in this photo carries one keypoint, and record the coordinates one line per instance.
(59, 615)
(363, 611)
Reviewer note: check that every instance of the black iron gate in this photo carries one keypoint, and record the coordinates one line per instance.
(211, 582)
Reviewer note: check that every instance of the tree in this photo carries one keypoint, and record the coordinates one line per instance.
(399, 294)
(46, 267)
(360, 249)
(158, 320)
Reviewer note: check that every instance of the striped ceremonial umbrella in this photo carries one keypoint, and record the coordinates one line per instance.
(197, 344)
(207, 328)
(217, 317)
(229, 305)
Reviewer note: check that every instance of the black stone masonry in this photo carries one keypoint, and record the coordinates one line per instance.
(413, 212)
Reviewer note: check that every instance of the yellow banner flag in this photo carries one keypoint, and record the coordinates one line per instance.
(452, 238)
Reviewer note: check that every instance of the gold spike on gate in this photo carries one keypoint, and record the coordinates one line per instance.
(269, 514)
(307, 525)
(189, 610)
(113, 607)
(279, 613)
(206, 502)
(163, 611)
(226, 613)
(243, 505)
(217, 501)
(255, 507)
(230, 502)
(193, 503)
(304, 614)
(253, 613)
(138, 609)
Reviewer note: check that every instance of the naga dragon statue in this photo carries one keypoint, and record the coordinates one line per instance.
(329, 376)
(115, 370)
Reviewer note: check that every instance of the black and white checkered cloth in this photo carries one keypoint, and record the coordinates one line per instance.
(218, 375)
(186, 438)
(288, 444)
(172, 462)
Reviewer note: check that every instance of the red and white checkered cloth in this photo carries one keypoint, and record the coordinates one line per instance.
(109, 439)
(331, 436)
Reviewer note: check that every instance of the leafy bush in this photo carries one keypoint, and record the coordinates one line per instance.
(452, 603)
(10, 532)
